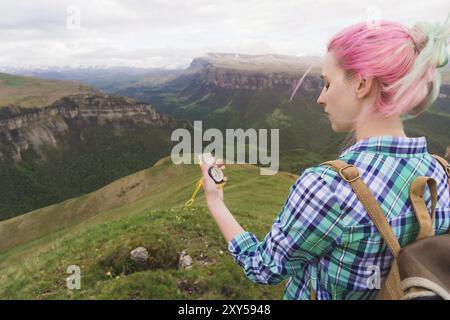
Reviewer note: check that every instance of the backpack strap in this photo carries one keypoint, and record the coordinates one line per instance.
(426, 221)
(445, 165)
(351, 174)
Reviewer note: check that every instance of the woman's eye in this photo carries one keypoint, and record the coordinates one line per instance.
(327, 86)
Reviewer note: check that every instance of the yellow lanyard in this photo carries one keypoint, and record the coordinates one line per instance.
(197, 187)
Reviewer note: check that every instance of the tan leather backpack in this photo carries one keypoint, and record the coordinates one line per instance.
(420, 270)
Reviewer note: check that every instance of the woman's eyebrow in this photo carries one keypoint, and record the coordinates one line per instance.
(323, 76)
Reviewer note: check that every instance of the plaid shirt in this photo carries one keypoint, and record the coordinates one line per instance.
(323, 236)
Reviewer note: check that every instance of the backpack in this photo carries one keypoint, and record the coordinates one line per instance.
(421, 269)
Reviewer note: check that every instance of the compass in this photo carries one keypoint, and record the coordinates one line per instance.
(216, 174)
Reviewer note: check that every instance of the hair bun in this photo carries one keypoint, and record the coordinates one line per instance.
(418, 38)
(432, 41)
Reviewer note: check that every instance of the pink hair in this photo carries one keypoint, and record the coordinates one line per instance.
(403, 62)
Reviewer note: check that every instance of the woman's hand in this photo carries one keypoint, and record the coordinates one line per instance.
(228, 225)
(213, 191)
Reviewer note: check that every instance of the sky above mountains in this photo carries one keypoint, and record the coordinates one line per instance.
(170, 33)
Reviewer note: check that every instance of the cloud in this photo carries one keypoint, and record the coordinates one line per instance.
(163, 33)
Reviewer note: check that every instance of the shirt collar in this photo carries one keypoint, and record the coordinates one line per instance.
(391, 146)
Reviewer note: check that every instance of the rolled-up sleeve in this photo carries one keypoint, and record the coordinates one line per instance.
(307, 227)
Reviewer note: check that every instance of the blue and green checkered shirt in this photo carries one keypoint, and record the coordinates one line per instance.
(324, 237)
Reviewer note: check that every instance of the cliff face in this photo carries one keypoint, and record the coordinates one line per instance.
(234, 79)
(255, 72)
(41, 128)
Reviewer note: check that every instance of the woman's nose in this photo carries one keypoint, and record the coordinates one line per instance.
(321, 101)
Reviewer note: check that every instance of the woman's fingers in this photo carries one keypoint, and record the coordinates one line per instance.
(219, 163)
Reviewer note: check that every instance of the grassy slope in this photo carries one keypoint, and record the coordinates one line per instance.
(105, 154)
(98, 230)
(31, 92)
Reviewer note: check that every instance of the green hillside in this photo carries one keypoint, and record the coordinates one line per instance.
(82, 165)
(97, 232)
(30, 92)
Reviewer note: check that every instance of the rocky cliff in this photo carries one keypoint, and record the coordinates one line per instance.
(37, 129)
(260, 72)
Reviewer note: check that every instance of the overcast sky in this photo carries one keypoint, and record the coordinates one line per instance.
(169, 33)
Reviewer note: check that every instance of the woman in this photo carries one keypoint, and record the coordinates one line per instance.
(374, 77)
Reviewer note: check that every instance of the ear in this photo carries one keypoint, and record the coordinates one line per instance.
(363, 86)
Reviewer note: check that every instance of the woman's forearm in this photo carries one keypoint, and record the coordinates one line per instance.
(224, 219)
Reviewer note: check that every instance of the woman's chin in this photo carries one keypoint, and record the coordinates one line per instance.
(336, 128)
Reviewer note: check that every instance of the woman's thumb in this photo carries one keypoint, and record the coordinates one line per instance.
(203, 166)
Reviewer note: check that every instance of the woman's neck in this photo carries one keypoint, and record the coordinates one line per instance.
(380, 126)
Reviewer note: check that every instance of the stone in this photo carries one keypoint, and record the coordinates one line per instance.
(185, 261)
(139, 256)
